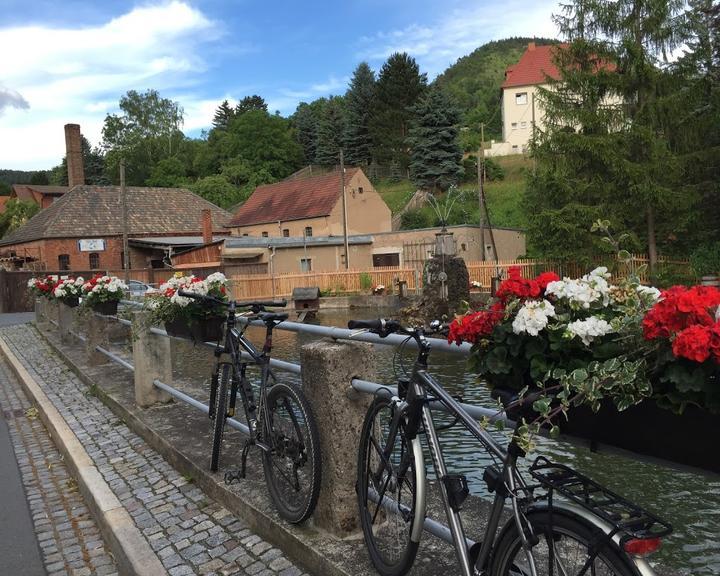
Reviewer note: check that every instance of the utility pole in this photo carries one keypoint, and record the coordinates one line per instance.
(123, 200)
(344, 205)
(481, 193)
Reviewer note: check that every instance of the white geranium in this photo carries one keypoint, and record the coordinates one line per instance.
(533, 317)
(589, 329)
(216, 278)
(582, 293)
(648, 293)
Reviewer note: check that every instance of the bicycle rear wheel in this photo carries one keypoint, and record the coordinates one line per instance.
(221, 403)
(563, 548)
(292, 464)
(387, 487)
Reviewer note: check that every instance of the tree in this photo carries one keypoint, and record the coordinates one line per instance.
(331, 132)
(436, 156)
(306, 121)
(93, 167)
(168, 173)
(40, 177)
(17, 212)
(248, 103)
(399, 86)
(218, 190)
(360, 99)
(223, 115)
(147, 131)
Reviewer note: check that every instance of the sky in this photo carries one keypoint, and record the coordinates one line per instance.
(70, 61)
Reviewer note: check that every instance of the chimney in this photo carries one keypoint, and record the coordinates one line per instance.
(73, 149)
(531, 46)
(207, 230)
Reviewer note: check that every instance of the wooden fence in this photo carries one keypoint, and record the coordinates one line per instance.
(341, 281)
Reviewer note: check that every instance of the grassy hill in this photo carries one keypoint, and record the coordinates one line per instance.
(504, 198)
(474, 82)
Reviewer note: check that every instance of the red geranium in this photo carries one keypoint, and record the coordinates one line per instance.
(693, 343)
(679, 308)
(470, 327)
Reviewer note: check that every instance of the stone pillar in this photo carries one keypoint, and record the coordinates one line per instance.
(65, 323)
(40, 313)
(328, 367)
(152, 359)
(97, 335)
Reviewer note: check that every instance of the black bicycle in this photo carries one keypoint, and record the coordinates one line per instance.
(280, 423)
(562, 523)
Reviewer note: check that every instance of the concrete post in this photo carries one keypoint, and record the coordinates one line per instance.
(65, 323)
(328, 367)
(97, 335)
(152, 359)
(40, 317)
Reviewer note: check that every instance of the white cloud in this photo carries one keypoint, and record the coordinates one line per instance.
(461, 31)
(77, 75)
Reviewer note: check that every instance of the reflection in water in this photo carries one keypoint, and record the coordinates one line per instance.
(689, 499)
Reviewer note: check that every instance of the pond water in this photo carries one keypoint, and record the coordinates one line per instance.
(687, 498)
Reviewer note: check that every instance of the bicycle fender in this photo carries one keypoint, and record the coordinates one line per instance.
(642, 567)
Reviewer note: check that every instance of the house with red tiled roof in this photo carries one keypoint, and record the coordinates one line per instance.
(43, 196)
(313, 206)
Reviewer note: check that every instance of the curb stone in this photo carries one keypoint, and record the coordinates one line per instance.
(133, 554)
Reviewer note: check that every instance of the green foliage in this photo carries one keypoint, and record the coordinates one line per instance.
(168, 173)
(331, 132)
(399, 86)
(5, 189)
(16, 213)
(223, 114)
(219, 191)
(493, 169)
(93, 167)
(366, 281)
(40, 177)
(415, 219)
(360, 100)
(705, 259)
(249, 103)
(395, 194)
(435, 159)
(306, 122)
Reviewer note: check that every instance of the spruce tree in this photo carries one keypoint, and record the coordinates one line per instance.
(248, 103)
(331, 132)
(436, 156)
(306, 121)
(223, 115)
(399, 86)
(359, 103)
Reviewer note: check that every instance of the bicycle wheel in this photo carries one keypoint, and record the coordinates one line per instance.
(388, 491)
(221, 402)
(563, 548)
(292, 465)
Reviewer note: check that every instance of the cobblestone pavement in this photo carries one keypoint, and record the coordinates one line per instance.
(68, 536)
(190, 533)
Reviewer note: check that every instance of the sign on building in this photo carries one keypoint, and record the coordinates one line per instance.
(91, 245)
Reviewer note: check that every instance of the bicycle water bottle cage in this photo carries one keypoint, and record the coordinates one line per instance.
(457, 489)
(403, 385)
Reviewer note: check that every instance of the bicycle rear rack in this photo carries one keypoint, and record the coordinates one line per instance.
(626, 517)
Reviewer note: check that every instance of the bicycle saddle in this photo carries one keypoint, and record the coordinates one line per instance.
(273, 316)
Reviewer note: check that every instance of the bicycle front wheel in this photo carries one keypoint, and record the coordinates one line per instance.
(390, 475)
(564, 547)
(292, 462)
(221, 402)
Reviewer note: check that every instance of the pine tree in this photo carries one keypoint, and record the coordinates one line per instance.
(360, 100)
(331, 132)
(399, 86)
(248, 103)
(436, 156)
(306, 121)
(223, 115)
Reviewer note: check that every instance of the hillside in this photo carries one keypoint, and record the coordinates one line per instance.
(474, 81)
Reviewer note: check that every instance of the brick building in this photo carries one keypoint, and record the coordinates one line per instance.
(43, 196)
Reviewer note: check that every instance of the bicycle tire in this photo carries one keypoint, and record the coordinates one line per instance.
(221, 401)
(395, 556)
(292, 465)
(570, 535)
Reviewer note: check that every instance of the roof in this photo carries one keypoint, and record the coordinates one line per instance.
(292, 200)
(92, 211)
(3, 200)
(534, 67)
(293, 241)
(25, 191)
(175, 241)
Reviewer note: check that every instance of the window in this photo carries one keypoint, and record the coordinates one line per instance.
(64, 262)
(308, 230)
(523, 125)
(306, 264)
(521, 98)
(514, 125)
(94, 260)
(515, 147)
(360, 190)
(246, 234)
(264, 234)
(286, 233)
(463, 247)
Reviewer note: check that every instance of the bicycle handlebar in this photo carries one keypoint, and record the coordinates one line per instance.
(384, 328)
(258, 304)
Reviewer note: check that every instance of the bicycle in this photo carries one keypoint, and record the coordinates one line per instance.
(563, 523)
(280, 423)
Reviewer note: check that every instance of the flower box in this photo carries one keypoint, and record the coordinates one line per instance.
(198, 330)
(108, 308)
(71, 302)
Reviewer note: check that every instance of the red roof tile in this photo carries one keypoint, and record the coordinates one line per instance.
(535, 65)
(292, 200)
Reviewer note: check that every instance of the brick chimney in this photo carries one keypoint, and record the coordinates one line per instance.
(531, 46)
(73, 148)
(206, 223)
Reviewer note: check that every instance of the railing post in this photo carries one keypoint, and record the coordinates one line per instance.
(66, 318)
(152, 360)
(97, 335)
(40, 313)
(328, 367)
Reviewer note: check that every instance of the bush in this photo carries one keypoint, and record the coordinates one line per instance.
(705, 259)
(414, 219)
(493, 170)
(366, 282)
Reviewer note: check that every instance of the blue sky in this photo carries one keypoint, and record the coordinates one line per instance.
(70, 61)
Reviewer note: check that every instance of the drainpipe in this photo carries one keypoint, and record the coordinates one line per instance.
(272, 270)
